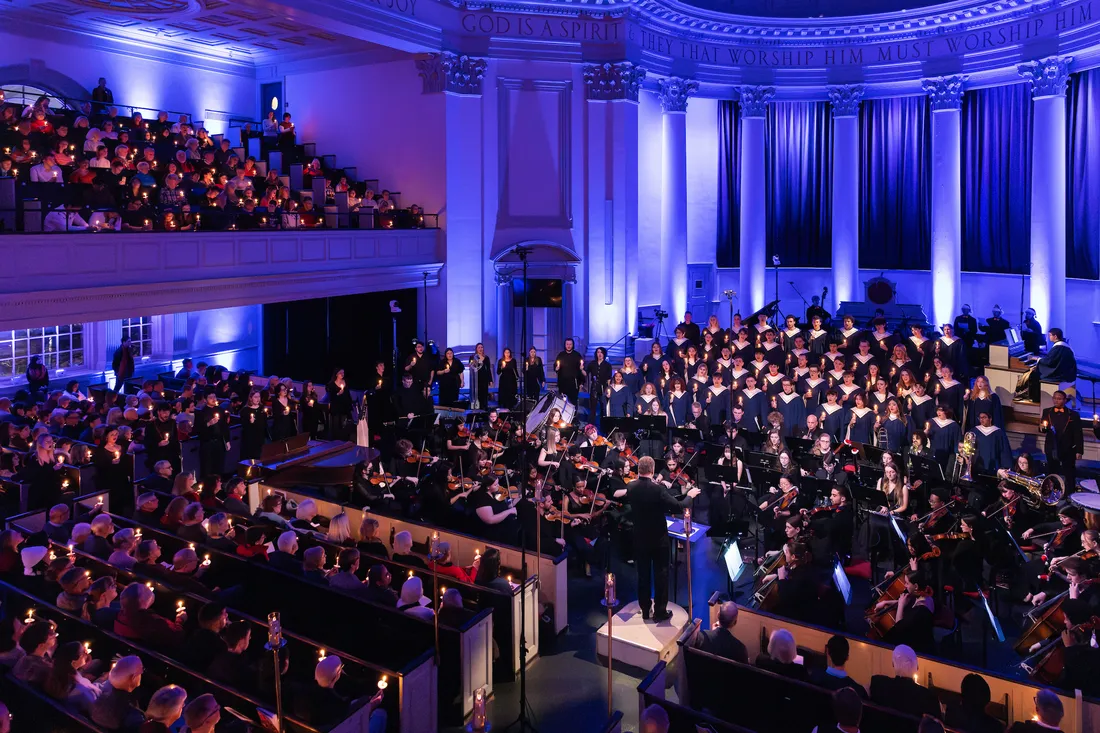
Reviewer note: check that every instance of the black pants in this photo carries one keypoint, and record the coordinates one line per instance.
(1066, 469)
(651, 562)
(570, 389)
(211, 458)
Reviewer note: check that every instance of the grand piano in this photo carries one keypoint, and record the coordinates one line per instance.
(299, 461)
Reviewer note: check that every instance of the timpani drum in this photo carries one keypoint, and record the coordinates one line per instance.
(1090, 505)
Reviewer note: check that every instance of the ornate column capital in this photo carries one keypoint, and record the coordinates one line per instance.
(946, 91)
(613, 80)
(845, 99)
(674, 93)
(754, 100)
(1048, 76)
(451, 72)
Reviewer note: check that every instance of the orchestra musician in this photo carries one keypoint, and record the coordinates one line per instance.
(914, 612)
(797, 583)
(1058, 365)
(1063, 441)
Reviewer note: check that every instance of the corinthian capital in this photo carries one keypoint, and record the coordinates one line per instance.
(451, 72)
(674, 93)
(845, 99)
(754, 100)
(1048, 76)
(946, 91)
(618, 80)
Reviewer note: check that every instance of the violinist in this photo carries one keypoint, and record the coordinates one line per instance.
(582, 532)
(797, 584)
(1058, 539)
(1081, 663)
(835, 523)
(678, 451)
(619, 451)
(967, 557)
(720, 505)
(1072, 573)
(551, 452)
(674, 476)
(494, 516)
(914, 612)
(458, 442)
(589, 438)
(795, 529)
(782, 503)
(1011, 510)
(939, 519)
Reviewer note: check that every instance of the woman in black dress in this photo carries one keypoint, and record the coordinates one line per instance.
(338, 396)
(534, 375)
(282, 418)
(449, 376)
(253, 427)
(508, 376)
(312, 418)
(112, 472)
(43, 473)
(482, 372)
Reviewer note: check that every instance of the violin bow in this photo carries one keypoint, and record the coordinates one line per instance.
(419, 462)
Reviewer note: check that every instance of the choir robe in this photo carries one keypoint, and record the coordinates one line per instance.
(816, 388)
(990, 405)
(1059, 364)
(721, 336)
(878, 401)
(758, 369)
(831, 420)
(861, 364)
(817, 341)
(633, 382)
(723, 367)
(861, 431)
(718, 408)
(651, 368)
(834, 378)
(849, 390)
(735, 380)
(898, 432)
(943, 438)
(793, 409)
(677, 347)
(746, 350)
(773, 385)
(918, 348)
(663, 382)
(950, 396)
(798, 375)
(849, 343)
(697, 388)
(953, 352)
(921, 410)
(882, 344)
(828, 360)
(774, 354)
(993, 450)
(689, 368)
(755, 403)
(619, 400)
(641, 404)
(787, 337)
(795, 353)
(679, 408)
(893, 370)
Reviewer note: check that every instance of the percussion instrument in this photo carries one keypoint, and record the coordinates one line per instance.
(1089, 504)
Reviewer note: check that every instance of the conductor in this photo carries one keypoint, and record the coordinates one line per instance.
(649, 503)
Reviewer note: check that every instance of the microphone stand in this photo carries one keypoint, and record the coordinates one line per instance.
(798, 293)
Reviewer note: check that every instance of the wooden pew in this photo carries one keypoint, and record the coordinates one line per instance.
(552, 569)
(361, 628)
(651, 691)
(25, 703)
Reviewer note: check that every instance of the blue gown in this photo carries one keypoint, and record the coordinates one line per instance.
(898, 432)
(793, 409)
(861, 366)
(775, 354)
(650, 368)
(736, 382)
(817, 391)
(1059, 364)
(755, 407)
(860, 432)
(633, 382)
(951, 397)
(944, 440)
(920, 413)
(849, 403)
(833, 422)
(993, 450)
(990, 405)
(817, 342)
(772, 386)
(717, 406)
(619, 401)
(954, 354)
(641, 404)
(678, 409)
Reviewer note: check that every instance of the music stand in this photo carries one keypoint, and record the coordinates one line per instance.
(799, 446)
(654, 426)
(624, 425)
(689, 435)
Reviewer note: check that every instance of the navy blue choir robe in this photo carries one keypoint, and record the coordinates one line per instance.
(651, 368)
(817, 341)
(793, 409)
(633, 382)
(1059, 364)
(787, 337)
(619, 400)
(919, 349)
(679, 407)
(993, 450)
(943, 438)
(860, 431)
(878, 401)
(773, 385)
(745, 349)
(689, 368)
(849, 340)
(698, 388)
(677, 347)
(798, 375)
(883, 344)
(723, 367)
(755, 404)
(641, 404)
(849, 391)
(828, 359)
(834, 378)
(893, 370)
(831, 420)
(735, 380)
(950, 396)
(861, 364)
(953, 352)
(898, 432)
(990, 405)
(816, 389)
(758, 369)
(774, 353)
(921, 410)
(718, 408)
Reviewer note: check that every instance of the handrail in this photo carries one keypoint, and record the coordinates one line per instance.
(73, 104)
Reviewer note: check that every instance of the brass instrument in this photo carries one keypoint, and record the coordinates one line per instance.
(882, 438)
(968, 451)
(1046, 489)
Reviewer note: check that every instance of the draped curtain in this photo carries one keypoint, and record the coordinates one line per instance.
(1083, 171)
(895, 183)
(729, 184)
(996, 162)
(797, 180)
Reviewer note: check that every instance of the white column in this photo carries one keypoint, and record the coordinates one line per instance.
(946, 93)
(752, 207)
(459, 79)
(1048, 188)
(845, 190)
(673, 95)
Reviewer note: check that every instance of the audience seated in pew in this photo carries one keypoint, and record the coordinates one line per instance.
(135, 620)
(847, 705)
(901, 692)
(968, 713)
(38, 641)
(117, 707)
(781, 656)
(322, 706)
(720, 640)
(834, 676)
(1048, 715)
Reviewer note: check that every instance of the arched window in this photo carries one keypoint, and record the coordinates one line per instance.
(24, 94)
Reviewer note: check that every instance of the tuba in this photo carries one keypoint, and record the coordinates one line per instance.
(968, 451)
(1046, 489)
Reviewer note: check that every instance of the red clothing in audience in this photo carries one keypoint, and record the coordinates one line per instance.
(149, 627)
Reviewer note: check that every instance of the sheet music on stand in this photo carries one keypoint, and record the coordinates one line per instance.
(676, 530)
(799, 447)
(998, 632)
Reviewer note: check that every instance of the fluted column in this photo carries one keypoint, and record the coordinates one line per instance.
(845, 100)
(753, 205)
(946, 94)
(459, 78)
(1048, 187)
(673, 95)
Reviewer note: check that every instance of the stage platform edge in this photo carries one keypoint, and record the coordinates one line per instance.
(641, 644)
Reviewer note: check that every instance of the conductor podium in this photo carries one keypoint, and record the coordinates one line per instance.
(641, 644)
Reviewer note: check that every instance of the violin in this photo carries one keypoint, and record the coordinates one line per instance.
(788, 499)
(587, 465)
(628, 456)
(383, 479)
(948, 536)
(465, 484)
(463, 431)
(600, 441)
(418, 456)
(821, 510)
(489, 444)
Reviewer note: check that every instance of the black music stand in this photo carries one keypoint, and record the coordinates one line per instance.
(688, 435)
(624, 425)
(799, 446)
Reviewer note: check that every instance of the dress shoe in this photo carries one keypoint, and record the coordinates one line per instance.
(646, 612)
(662, 616)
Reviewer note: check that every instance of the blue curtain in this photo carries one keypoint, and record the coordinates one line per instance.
(895, 184)
(729, 184)
(996, 150)
(798, 163)
(1083, 170)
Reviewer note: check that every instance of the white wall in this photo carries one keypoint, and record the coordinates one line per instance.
(134, 80)
(702, 179)
(231, 337)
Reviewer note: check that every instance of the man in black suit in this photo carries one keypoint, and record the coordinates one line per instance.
(720, 640)
(1064, 442)
(649, 503)
(212, 426)
(1049, 713)
(569, 367)
(901, 692)
(834, 676)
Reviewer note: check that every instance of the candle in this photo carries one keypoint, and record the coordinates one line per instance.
(320, 655)
(53, 556)
(180, 608)
(191, 545)
(410, 573)
(609, 589)
(60, 459)
(149, 586)
(509, 579)
(30, 615)
(166, 436)
(88, 648)
(117, 455)
(382, 683)
(477, 723)
(687, 522)
(206, 560)
(65, 483)
(70, 550)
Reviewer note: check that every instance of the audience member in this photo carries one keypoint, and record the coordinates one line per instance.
(38, 641)
(116, 708)
(781, 656)
(165, 708)
(135, 620)
(902, 692)
(834, 676)
(1048, 715)
(720, 640)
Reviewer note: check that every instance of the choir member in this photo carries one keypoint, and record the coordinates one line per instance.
(792, 406)
(993, 451)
